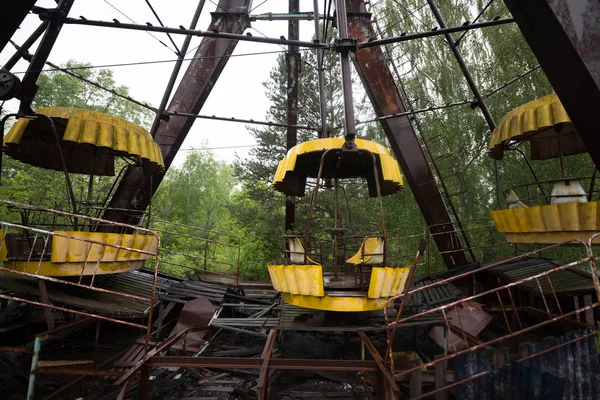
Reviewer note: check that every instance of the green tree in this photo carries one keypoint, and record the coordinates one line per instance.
(197, 193)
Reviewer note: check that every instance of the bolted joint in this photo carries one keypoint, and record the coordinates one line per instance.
(345, 45)
(218, 16)
(349, 144)
(48, 14)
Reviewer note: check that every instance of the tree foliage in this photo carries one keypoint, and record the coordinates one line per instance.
(458, 137)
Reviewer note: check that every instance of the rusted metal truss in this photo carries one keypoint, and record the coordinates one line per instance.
(265, 364)
(381, 89)
(29, 87)
(135, 190)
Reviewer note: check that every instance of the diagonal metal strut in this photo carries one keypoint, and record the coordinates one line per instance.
(135, 190)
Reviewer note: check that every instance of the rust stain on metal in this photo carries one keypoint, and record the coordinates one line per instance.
(136, 190)
(381, 89)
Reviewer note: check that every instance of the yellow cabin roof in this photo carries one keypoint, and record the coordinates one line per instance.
(303, 161)
(90, 140)
(539, 122)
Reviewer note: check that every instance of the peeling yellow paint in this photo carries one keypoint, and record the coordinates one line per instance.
(548, 224)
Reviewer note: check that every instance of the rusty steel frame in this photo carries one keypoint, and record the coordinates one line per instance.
(22, 51)
(568, 51)
(163, 346)
(448, 199)
(136, 190)
(389, 358)
(463, 66)
(257, 363)
(263, 378)
(29, 87)
(293, 69)
(551, 318)
(369, 62)
(265, 364)
(181, 55)
(391, 388)
(284, 42)
(13, 14)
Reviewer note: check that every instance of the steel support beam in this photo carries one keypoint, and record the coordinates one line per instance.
(263, 378)
(29, 87)
(381, 89)
(564, 35)
(487, 115)
(23, 49)
(12, 15)
(135, 190)
(257, 363)
(292, 62)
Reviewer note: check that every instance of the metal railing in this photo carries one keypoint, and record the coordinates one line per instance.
(545, 285)
(39, 214)
(88, 255)
(540, 193)
(209, 255)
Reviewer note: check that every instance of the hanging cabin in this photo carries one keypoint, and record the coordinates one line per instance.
(85, 142)
(545, 212)
(359, 275)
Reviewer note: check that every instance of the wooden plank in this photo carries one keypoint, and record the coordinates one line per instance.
(46, 300)
(416, 384)
(440, 378)
(263, 378)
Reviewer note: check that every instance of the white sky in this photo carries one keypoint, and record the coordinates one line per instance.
(238, 93)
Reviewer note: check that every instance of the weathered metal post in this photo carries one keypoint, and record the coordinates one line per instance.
(37, 346)
(292, 62)
(135, 190)
(320, 75)
(345, 45)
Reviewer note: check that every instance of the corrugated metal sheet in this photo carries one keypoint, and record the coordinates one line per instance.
(514, 382)
(387, 282)
(534, 117)
(306, 280)
(87, 128)
(578, 364)
(182, 292)
(138, 283)
(435, 295)
(571, 372)
(564, 281)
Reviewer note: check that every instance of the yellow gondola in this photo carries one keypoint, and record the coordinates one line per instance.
(568, 211)
(366, 279)
(83, 142)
